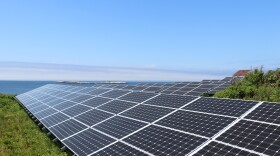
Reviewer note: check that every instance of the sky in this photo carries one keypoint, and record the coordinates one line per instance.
(136, 39)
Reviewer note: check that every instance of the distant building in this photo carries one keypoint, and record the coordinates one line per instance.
(241, 73)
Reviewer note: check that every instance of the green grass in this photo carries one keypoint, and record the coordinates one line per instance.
(19, 135)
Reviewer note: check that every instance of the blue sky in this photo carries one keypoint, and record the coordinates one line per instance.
(209, 38)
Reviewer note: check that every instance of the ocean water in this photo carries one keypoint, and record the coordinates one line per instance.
(18, 87)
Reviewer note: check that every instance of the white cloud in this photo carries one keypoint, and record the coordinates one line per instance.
(29, 71)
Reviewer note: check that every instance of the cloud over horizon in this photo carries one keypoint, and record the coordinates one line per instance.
(44, 71)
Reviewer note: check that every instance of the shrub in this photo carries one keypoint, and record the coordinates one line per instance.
(256, 85)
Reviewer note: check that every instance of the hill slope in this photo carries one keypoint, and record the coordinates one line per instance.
(19, 135)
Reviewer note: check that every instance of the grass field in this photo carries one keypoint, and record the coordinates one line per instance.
(19, 135)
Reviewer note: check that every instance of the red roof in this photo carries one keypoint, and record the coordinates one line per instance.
(241, 72)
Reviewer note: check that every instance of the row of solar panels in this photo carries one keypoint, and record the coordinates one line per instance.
(99, 121)
(179, 88)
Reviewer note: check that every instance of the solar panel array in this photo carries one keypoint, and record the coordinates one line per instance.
(179, 88)
(99, 121)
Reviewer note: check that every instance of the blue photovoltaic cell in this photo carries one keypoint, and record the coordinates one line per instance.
(55, 102)
(54, 119)
(45, 99)
(98, 91)
(93, 117)
(95, 102)
(267, 112)
(221, 106)
(119, 149)
(117, 106)
(71, 96)
(38, 108)
(115, 93)
(260, 137)
(87, 142)
(173, 101)
(197, 123)
(153, 89)
(45, 113)
(118, 122)
(137, 96)
(161, 141)
(76, 110)
(64, 105)
(193, 93)
(218, 149)
(81, 98)
(146, 113)
(119, 127)
(67, 128)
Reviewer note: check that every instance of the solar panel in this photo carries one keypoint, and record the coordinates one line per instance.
(116, 106)
(71, 96)
(91, 121)
(161, 141)
(54, 119)
(178, 93)
(119, 127)
(137, 96)
(129, 87)
(85, 90)
(98, 91)
(120, 86)
(139, 88)
(168, 85)
(96, 101)
(38, 108)
(93, 117)
(54, 102)
(167, 92)
(146, 113)
(260, 137)
(45, 98)
(75, 110)
(153, 89)
(64, 105)
(32, 104)
(61, 94)
(173, 101)
(67, 128)
(180, 85)
(45, 113)
(81, 98)
(194, 85)
(172, 89)
(87, 142)
(119, 149)
(186, 89)
(115, 93)
(221, 106)
(267, 112)
(202, 90)
(208, 86)
(197, 123)
(193, 93)
(218, 149)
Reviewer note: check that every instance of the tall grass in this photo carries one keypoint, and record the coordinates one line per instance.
(19, 135)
